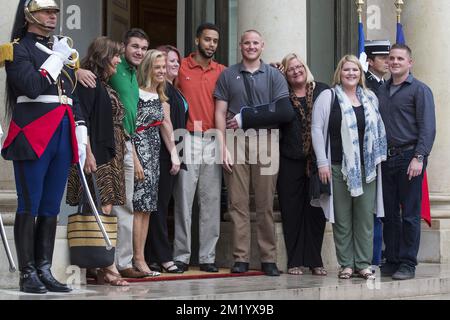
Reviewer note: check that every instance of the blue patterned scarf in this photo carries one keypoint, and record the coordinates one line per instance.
(375, 145)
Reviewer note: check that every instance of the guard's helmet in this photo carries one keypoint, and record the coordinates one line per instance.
(32, 6)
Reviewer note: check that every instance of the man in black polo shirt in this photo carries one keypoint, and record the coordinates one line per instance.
(408, 111)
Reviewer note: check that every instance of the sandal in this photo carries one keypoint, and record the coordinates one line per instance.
(366, 274)
(295, 271)
(319, 271)
(171, 268)
(345, 273)
(117, 280)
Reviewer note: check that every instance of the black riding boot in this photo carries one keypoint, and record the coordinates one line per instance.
(24, 230)
(45, 243)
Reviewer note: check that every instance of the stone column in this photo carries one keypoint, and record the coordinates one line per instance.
(426, 24)
(283, 25)
(380, 18)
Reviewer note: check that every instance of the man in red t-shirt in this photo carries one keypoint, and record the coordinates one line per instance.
(197, 80)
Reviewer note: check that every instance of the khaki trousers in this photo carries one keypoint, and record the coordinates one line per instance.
(205, 179)
(124, 246)
(353, 227)
(259, 169)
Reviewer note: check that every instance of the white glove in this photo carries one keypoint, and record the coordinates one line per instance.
(238, 119)
(61, 48)
(364, 62)
(82, 139)
(58, 57)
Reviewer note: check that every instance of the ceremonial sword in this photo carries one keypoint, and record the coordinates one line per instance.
(93, 207)
(12, 265)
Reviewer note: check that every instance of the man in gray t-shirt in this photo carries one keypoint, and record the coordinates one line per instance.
(265, 85)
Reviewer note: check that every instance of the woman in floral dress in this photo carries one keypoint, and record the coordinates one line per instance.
(152, 111)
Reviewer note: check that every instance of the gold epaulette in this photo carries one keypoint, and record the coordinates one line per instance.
(77, 65)
(7, 52)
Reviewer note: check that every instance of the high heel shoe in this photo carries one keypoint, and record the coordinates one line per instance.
(91, 273)
(116, 280)
(147, 274)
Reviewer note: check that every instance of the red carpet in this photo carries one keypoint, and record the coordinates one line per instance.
(192, 274)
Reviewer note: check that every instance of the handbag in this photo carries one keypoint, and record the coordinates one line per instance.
(316, 187)
(87, 246)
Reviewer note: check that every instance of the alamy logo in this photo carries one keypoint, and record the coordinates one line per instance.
(254, 147)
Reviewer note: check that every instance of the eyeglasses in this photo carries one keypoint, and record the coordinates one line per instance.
(295, 69)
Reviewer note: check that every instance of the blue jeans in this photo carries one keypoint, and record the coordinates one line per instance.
(402, 205)
(40, 183)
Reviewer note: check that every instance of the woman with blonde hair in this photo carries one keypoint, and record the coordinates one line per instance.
(303, 225)
(348, 117)
(152, 111)
(158, 251)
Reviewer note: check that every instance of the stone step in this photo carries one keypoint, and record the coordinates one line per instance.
(224, 249)
(430, 281)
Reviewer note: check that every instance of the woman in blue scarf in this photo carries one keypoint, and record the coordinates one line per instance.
(349, 117)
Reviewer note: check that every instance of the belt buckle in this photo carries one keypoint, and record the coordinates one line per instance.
(64, 99)
(390, 152)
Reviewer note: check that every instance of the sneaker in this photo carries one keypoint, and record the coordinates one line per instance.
(208, 267)
(388, 269)
(404, 273)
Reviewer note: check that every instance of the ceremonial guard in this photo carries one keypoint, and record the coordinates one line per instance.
(377, 57)
(46, 134)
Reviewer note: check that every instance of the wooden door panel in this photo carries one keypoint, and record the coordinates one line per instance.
(118, 18)
(158, 19)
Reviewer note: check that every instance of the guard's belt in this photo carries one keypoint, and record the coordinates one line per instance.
(46, 99)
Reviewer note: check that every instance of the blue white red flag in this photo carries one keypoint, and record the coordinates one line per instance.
(361, 52)
(400, 35)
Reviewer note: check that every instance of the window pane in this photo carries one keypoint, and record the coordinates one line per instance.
(233, 36)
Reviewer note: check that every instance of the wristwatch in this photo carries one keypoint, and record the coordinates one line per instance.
(419, 157)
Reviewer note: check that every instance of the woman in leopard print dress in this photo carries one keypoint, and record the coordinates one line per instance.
(104, 114)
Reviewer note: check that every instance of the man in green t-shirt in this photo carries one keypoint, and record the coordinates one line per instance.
(136, 44)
